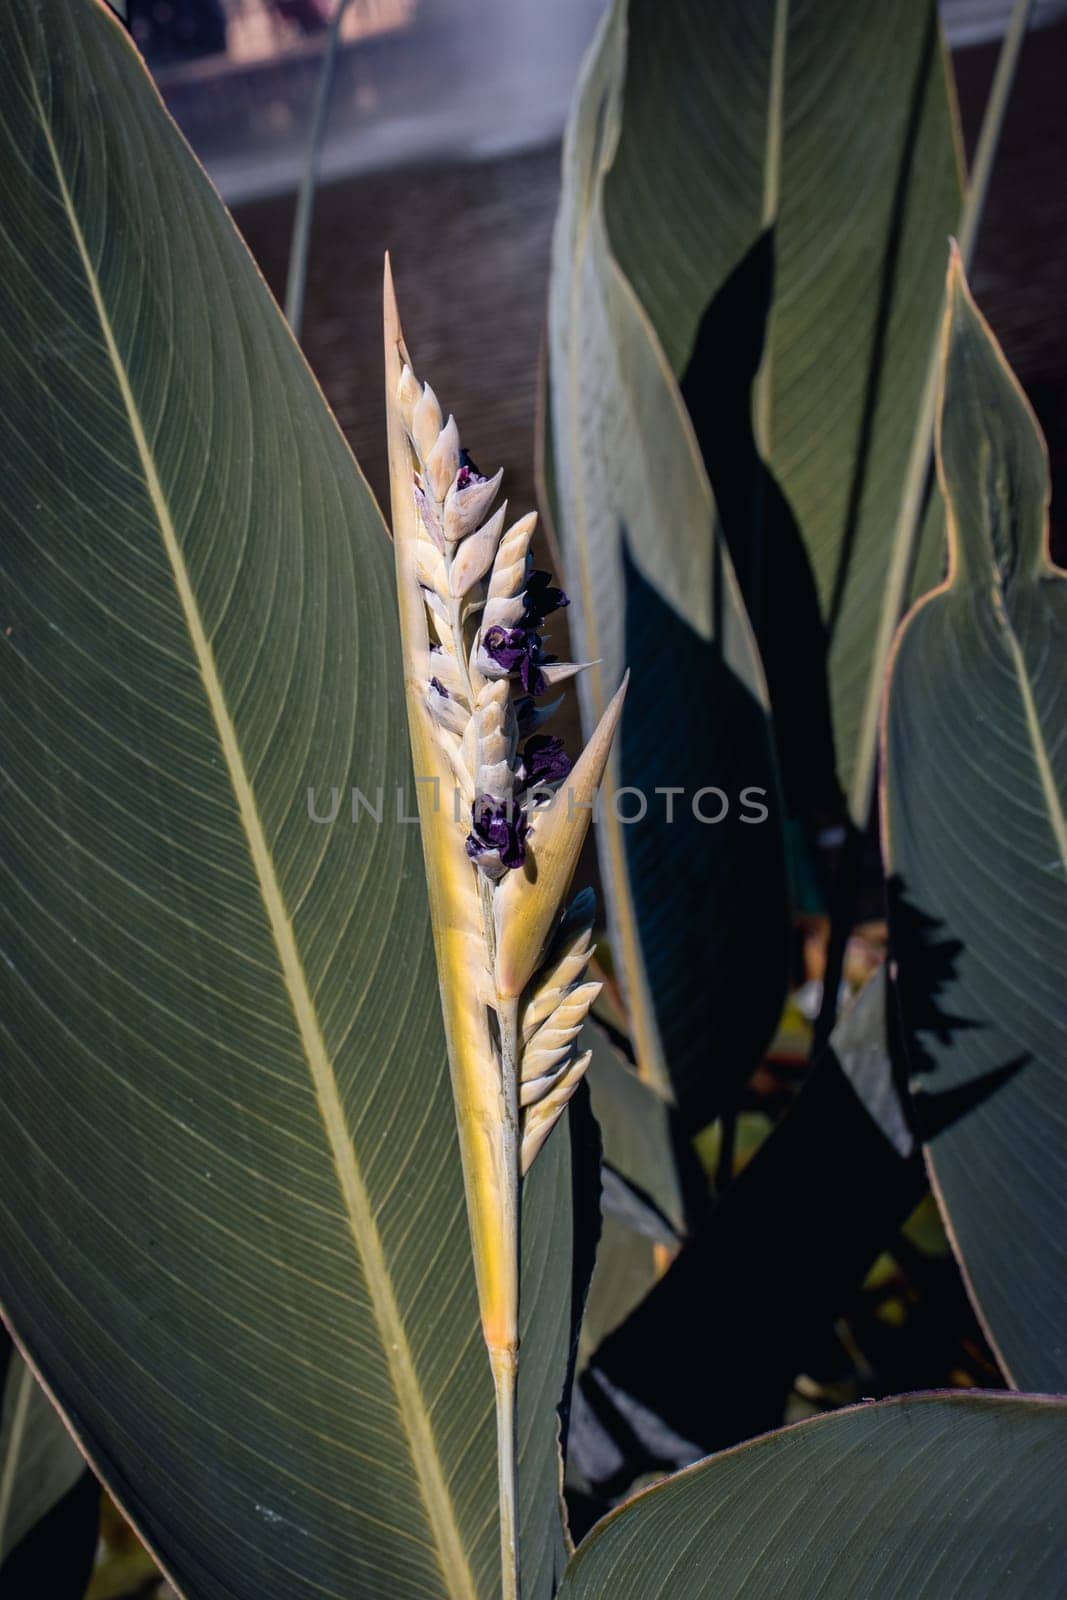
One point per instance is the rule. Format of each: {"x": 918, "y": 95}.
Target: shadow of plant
{"x": 762, "y": 534}
{"x": 927, "y": 960}
{"x": 710, "y": 896}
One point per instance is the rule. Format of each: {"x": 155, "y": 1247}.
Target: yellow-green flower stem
{"x": 503, "y": 1358}
{"x": 482, "y": 1056}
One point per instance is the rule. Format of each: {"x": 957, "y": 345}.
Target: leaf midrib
{"x": 772, "y": 189}
{"x": 1035, "y": 732}
{"x": 455, "y": 1569}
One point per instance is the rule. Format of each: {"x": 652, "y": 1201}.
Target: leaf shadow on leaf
{"x": 774, "y": 1261}
{"x": 761, "y": 531}
{"x": 691, "y": 724}
{"x": 795, "y": 632}
{"x": 779, "y": 1256}
{"x": 927, "y": 63}
{"x": 760, "y": 1280}
{"x": 927, "y": 957}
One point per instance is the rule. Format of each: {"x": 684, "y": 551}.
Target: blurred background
{"x": 442, "y": 144}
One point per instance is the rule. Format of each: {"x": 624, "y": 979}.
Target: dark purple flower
{"x": 435, "y": 683}
{"x": 541, "y": 598}
{"x": 518, "y": 650}
{"x": 507, "y": 646}
{"x": 544, "y": 760}
{"x": 468, "y": 472}
{"x": 496, "y": 825}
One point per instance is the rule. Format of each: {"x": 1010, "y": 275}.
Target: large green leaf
{"x": 48, "y": 1502}
{"x": 231, "y": 1207}
{"x": 976, "y": 849}
{"x": 931, "y": 1497}
{"x": 785, "y": 179}
{"x": 690, "y": 900}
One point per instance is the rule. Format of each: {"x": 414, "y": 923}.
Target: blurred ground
{"x": 469, "y": 245}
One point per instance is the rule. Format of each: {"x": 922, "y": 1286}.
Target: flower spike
{"x": 512, "y": 958}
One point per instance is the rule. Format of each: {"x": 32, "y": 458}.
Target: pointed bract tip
{"x": 394, "y": 333}
{"x": 609, "y": 718}
{"x": 527, "y": 905}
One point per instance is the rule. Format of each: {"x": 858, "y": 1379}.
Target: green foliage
{"x": 801, "y": 158}
{"x": 892, "y": 1502}
{"x": 233, "y": 1211}
{"x": 976, "y": 849}
{"x": 757, "y": 199}
{"x": 653, "y": 583}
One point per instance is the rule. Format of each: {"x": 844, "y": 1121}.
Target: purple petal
{"x": 499, "y": 826}
{"x": 542, "y": 598}
{"x": 544, "y": 760}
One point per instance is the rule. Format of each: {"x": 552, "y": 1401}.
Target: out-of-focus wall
{"x": 417, "y": 80}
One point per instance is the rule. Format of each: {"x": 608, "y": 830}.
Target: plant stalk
{"x": 772, "y": 194}
{"x": 503, "y": 1357}
{"x": 763, "y": 388}
{"x": 505, "y": 1363}
{"x": 505, "y": 1374}
{"x": 296, "y": 280}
